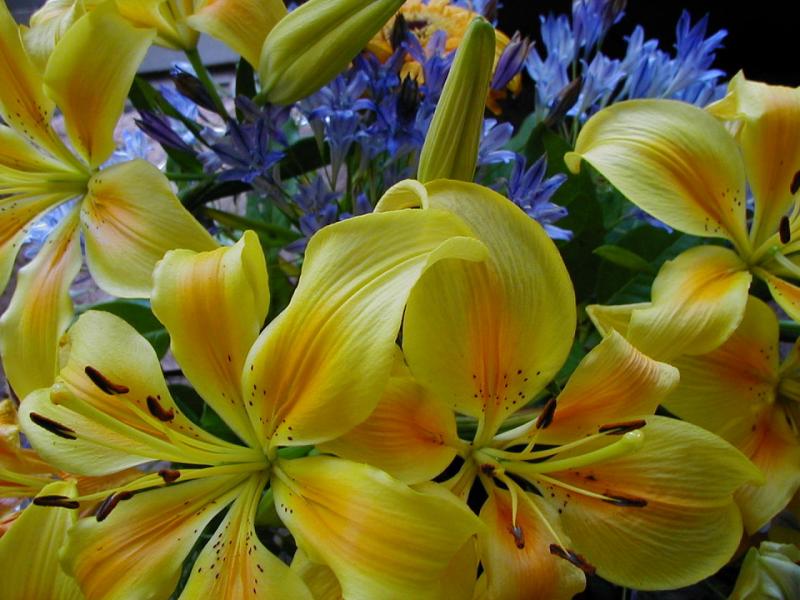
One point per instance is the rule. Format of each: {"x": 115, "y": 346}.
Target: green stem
{"x": 205, "y": 78}
{"x": 178, "y": 176}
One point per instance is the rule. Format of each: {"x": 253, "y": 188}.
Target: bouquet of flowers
{"x": 399, "y": 307}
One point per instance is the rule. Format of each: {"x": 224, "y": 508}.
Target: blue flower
{"x": 494, "y": 138}
{"x": 245, "y": 150}
{"x": 529, "y": 189}
{"x": 511, "y": 61}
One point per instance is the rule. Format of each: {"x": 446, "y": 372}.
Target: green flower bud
{"x": 771, "y": 572}
{"x": 315, "y": 42}
{"x": 451, "y": 146}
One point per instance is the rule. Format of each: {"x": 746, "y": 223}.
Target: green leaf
{"x": 272, "y": 235}
{"x": 137, "y": 313}
{"x": 624, "y": 258}
{"x": 245, "y": 81}
{"x": 188, "y": 401}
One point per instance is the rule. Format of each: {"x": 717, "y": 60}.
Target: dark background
{"x": 763, "y": 39}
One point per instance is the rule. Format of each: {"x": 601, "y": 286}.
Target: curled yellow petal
{"x": 487, "y": 337}
{"x": 673, "y": 160}
{"x": 226, "y": 290}
{"x": 698, "y": 300}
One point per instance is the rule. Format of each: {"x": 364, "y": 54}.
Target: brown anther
{"x": 625, "y": 501}
{"x": 103, "y": 383}
{"x": 487, "y": 469}
{"x": 574, "y": 558}
{"x": 169, "y": 475}
{"x": 785, "y": 230}
{"x": 546, "y": 416}
{"x": 155, "y": 408}
{"x": 53, "y": 427}
{"x": 519, "y": 536}
{"x": 60, "y": 501}
{"x": 110, "y": 504}
{"x": 622, "y": 428}
{"x": 794, "y": 187}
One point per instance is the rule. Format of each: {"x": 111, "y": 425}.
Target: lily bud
{"x": 451, "y": 146}
{"x": 315, "y": 42}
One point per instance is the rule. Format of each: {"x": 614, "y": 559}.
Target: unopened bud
{"x": 451, "y": 146}
{"x": 315, "y": 42}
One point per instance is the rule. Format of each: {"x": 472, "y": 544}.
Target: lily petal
{"x": 410, "y": 434}
{"x": 670, "y": 497}
{"x": 516, "y": 555}
{"x": 698, "y": 301}
{"x": 786, "y": 294}
{"x": 226, "y": 291}
{"x": 89, "y": 75}
{"x": 18, "y": 153}
{"x": 673, "y": 160}
{"x": 724, "y": 391}
{"x": 234, "y": 565}
{"x": 112, "y": 396}
{"x": 137, "y": 551}
{"x": 319, "y": 369}
{"x": 319, "y": 578}
{"x": 167, "y": 17}
{"x": 486, "y": 337}
{"x": 23, "y": 103}
{"x": 612, "y": 384}
{"x": 41, "y": 310}
{"x": 381, "y": 538}
{"x": 131, "y": 218}
{"x": 769, "y": 134}
{"x": 29, "y": 551}
{"x": 242, "y": 25}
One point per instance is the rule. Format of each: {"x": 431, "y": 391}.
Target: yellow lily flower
{"x": 593, "y": 482}
{"x": 127, "y": 213}
{"x": 241, "y": 24}
{"x": 740, "y": 392}
{"x": 682, "y": 165}
{"x": 312, "y": 374}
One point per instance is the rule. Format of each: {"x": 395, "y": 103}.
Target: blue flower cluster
{"x": 573, "y": 77}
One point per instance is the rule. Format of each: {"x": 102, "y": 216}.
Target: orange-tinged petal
{"x": 41, "y": 310}
{"x": 18, "y": 211}
{"x": 774, "y": 448}
{"x": 131, "y": 218}
{"x": 242, "y": 25}
{"x": 319, "y": 369}
{"x": 23, "y": 103}
{"x": 673, "y": 160}
{"x": 234, "y": 564}
{"x": 226, "y": 291}
{"x": 486, "y": 337}
{"x": 410, "y": 435}
{"x": 669, "y": 498}
{"x": 612, "y": 384}
{"x": 769, "y": 134}
{"x": 786, "y": 294}
{"x": 89, "y": 75}
{"x": 698, "y": 301}
{"x": 29, "y": 551}
{"x": 381, "y": 538}
{"x": 613, "y": 318}
{"x": 516, "y": 555}
{"x": 13, "y": 457}
{"x": 138, "y": 550}
{"x": 725, "y": 390}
